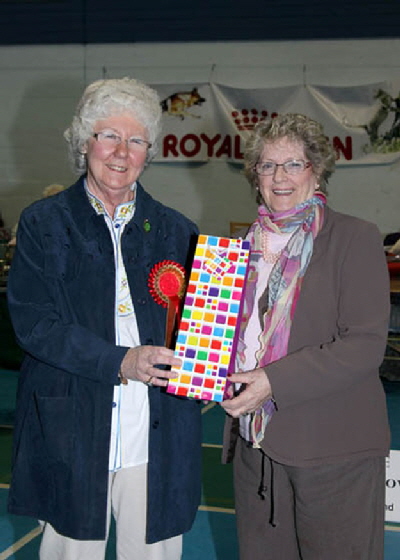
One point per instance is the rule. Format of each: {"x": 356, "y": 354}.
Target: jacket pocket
{"x": 55, "y": 421}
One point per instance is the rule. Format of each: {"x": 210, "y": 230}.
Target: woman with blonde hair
{"x": 308, "y": 425}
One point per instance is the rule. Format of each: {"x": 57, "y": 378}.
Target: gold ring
{"x": 149, "y": 382}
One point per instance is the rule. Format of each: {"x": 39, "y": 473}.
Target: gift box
{"x": 207, "y": 332}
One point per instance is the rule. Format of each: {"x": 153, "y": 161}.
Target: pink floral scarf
{"x": 284, "y": 285}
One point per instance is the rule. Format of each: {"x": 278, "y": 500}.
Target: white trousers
{"x": 127, "y": 503}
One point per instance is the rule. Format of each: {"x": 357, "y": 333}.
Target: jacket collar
{"x": 86, "y": 218}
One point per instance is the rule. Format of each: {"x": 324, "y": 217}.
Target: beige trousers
{"x": 127, "y": 503}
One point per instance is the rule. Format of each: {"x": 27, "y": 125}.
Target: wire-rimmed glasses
{"x": 112, "y": 140}
{"x": 291, "y": 166}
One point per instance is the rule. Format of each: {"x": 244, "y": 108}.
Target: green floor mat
{"x": 217, "y": 480}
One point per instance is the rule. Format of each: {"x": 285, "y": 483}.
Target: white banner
{"x": 392, "y": 507}
{"x": 211, "y": 121}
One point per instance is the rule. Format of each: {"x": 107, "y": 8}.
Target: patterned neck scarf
{"x": 304, "y": 221}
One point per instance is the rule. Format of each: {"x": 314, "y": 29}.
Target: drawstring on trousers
{"x": 262, "y": 489}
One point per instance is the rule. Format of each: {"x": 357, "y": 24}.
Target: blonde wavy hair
{"x": 297, "y": 128}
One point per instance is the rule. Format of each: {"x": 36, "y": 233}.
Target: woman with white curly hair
{"x": 96, "y": 434}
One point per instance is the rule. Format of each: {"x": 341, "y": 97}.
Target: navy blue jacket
{"x": 61, "y": 294}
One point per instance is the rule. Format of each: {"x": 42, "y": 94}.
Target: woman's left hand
{"x": 256, "y": 391}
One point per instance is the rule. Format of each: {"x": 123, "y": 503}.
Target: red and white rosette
{"x": 167, "y": 286}
{"x": 166, "y": 281}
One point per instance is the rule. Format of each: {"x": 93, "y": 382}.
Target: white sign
{"x": 206, "y": 121}
{"x": 393, "y": 487}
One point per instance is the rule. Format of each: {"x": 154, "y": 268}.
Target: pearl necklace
{"x": 269, "y": 257}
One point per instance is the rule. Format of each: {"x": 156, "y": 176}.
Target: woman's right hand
{"x": 138, "y": 364}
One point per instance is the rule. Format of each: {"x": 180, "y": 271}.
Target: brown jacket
{"x": 331, "y": 404}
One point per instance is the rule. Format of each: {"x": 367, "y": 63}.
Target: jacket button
{"x": 155, "y": 424}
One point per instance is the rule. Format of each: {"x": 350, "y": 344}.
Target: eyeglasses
{"x": 112, "y": 140}
{"x": 291, "y": 166}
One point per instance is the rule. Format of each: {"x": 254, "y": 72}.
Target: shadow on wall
{"x": 38, "y": 148}
{"x": 211, "y": 193}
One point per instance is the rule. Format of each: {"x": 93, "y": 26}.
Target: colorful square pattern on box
{"x": 210, "y": 314}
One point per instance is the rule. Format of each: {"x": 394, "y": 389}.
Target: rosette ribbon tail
{"x": 173, "y": 319}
